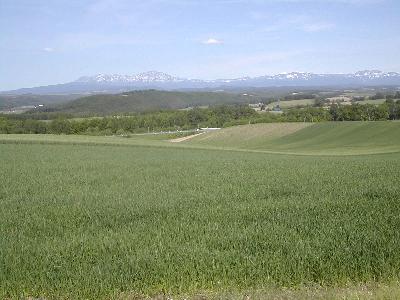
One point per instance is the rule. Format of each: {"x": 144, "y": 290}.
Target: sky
{"x": 46, "y": 42}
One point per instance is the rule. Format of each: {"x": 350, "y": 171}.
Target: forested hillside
{"x": 149, "y": 100}
{"x": 13, "y": 101}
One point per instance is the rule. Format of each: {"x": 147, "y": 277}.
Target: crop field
{"x": 124, "y": 218}
{"x": 326, "y": 138}
{"x": 291, "y": 103}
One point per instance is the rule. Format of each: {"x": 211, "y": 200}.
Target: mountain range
{"x": 115, "y": 83}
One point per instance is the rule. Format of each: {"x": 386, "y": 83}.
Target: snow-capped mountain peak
{"x": 375, "y": 74}
{"x": 164, "y": 78}
{"x": 150, "y": 76}
{"x": 370, "y": 74}
{"x": 293, "y": 76}
{"x": 158, "y": 80}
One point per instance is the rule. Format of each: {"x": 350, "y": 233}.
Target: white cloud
{"x": 213, "y": 41}
{"x": 48, "y": 49}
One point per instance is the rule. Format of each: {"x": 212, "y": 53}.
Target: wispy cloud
{"x": 260, "y": 58}
{"x": 91, "y": 40}
{"x": 358, "y": 2}
{"x": 125, "y": 12}
{"x": 251, "y": 64}
{"x": 48, "y": 49}
{"x": 212, "y": 41}
{"x": 289, "y": 22}
{"x": 317, "y": 27}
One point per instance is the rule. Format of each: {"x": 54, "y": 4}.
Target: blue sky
{"x": 45, "y": 42}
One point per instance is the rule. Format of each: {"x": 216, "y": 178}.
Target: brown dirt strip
{"x": 185, "y": 138}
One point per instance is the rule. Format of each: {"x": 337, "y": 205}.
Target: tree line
{"x": 217, "y": 116}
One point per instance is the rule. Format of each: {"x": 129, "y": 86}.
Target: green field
{"x": 219, "y": 215}
{"x": 292, "y": 103}
{"x": 327, "y": 138}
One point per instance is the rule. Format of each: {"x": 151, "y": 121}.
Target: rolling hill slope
{"x": 331, "y": 138}
{"x": 328, "y": 138}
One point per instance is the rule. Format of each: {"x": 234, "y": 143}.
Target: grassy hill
{"x": 149, "y": 100}
{"x": 308, "y": 138}
{"x": 328, "y": 138}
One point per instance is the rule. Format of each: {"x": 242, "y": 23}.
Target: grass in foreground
{"x": 365, "y": 291}
{"x": 94, "y": 221}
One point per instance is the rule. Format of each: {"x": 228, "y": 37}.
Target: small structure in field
{"x": 209, "y": 128}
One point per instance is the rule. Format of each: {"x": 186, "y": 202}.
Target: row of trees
{"x": 390, "y": 110}
{"x": 219, "y": 116}
{"x": 359, "y": 112}
{"x": 380, "y": 95}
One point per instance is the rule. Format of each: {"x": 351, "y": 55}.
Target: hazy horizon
{"x": 45, "y": 43}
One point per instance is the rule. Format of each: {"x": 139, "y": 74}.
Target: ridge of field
{"x": 325, "y": 138}
{"x": 94, "y": 222}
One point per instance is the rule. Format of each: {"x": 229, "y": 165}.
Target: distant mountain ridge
{"x": 114, "y": 83}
